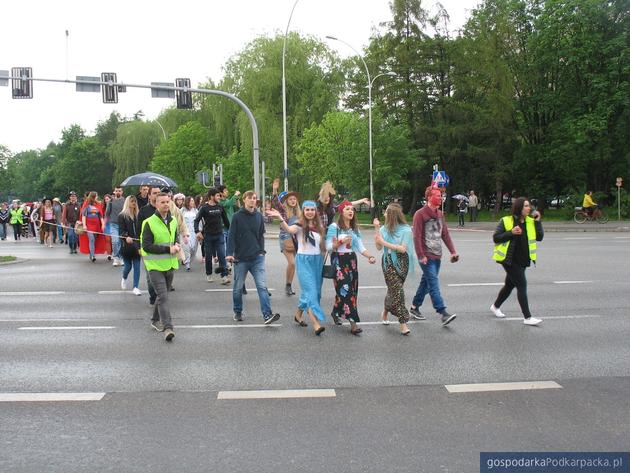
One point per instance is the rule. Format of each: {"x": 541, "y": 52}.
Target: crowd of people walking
{"x": 319, "y": 239}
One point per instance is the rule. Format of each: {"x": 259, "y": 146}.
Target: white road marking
{"x": 372, "y": 287}
{"x": 276, "y": 394}
{"x": 50, "y": 397}
{"x": 229, "y": 326}
{"x": 579, "y": 238}
{"x": 572, "y": 282}
{"x": 42, "y": 320}
{"x": 487, "y": 387}
{"x": 115, "y": 292}
{"x": 92, "y": 327}
{"x": 32, "y": 293}
{"x": 229, "y": 289}
{"x": 476, "y": 284}
{"x": 622, "y": 238}
{"x": 588, "y": 316}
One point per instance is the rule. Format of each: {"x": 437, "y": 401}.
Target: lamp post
{"x": 370, "y": 81}
{"x": 284, "y": 103}
{"x": 139, "y": 114}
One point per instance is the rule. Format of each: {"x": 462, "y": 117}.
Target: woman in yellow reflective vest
{"x": 515, "y": 248}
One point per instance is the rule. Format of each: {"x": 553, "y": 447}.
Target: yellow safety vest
{"x": 162, "y": 235}
{"x": 16, "y": 216}
{"x": 501, "y": 249}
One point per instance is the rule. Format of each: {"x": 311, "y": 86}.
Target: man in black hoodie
{"x": 215, "y": 220}
{"x": 246, "y": 249}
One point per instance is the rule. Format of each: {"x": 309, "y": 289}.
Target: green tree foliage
{"x": 191, "y": 149}
{"x": 254, "y": 75}
{"x": 133, "y": 148}
{"x": 337, "y": 150}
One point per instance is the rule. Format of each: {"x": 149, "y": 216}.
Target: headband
{"x": 343, "y": 205}
{"x": 308, "y": 203}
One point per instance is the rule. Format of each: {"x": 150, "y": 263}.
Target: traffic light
{"x": 217, "y": 180}
{"x": 22, "y": 88}
{"x": 184, "y": 99}
{"x": 110, "y": 92}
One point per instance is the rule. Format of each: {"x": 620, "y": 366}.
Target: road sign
{"x": 96, "y": 87}
{"x": 22, "y": 88}
{"x": 4, "y": 78}
{"x": 440, "y": 179}
{"x": 158, "y": 93}
{"x": 619, "y": 182}
{"x": 110, "y": 91}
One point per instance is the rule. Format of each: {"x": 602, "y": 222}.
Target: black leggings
{"x": 514, "y": 278}
{"x": 17, "y": 229}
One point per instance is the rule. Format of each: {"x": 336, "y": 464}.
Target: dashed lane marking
{"x": 572, "y": 282}
{"x": 490, "y": 387}
{"x": 276, "y": 394}
{"x": 50, "y": 397}
{"x": 229, "y": 326}
{"x": 476, "y": 284}
{"x": 32, "y": 293}
{"x": 92, "y": 327}
{"x": 586, "y": 316}
{"x": 229, "y": 289}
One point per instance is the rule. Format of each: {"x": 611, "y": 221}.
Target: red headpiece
{"x": 343, "y": 205}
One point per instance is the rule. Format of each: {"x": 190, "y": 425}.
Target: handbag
{"x": 289, "y": 245}
{"x": 328, "y": 270}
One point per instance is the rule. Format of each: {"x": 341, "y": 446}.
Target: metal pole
{"x": 619, "y": 203}
{"x": 369, "y": 81}
{"x": 161, "y": 128}
{"x": 250, "y": 115}
{"x": 264, "y": 197}
{"x": 284, "y": 103}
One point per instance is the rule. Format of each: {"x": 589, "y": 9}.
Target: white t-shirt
{"x": 306, "y": 247}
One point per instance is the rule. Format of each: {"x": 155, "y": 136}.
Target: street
{"x": 66, "y": 327}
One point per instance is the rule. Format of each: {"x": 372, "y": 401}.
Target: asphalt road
{"x": 66, "y": 328}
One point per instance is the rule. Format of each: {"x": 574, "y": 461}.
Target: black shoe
{"x": 271, "y": 318}
{"x": 172, "y": 289}
{"x": 238, "y": 317}
{"x": 169, "y": 334}
{"x": 288, "y": 290}
{"x": 93, "y": 259}
{"x": 319, "y": 331}
{"x": 335, "y": 319}
{"x": 447, "y": 318}
{"x": 244, "y": 291}
{"x": 356, "y": 331}
{"x": 301, "y": 323}
{"x": 415, "y": 312}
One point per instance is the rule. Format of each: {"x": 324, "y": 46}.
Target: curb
{"x": 16, "y": 261}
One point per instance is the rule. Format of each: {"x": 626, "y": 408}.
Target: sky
{"x": 146, "y": 41}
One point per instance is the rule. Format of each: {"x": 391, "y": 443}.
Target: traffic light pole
{"x": 250, "y": 115}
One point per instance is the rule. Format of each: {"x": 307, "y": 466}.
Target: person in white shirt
{"x": 309, "y": 262}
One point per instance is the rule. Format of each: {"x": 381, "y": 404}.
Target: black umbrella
{"x": 148, "y": 179}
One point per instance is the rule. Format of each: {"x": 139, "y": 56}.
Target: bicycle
{"x": 580, "y": 216}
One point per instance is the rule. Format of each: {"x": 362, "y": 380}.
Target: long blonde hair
{"x": 127, "y": 211}
{"x": 394, "y": 216}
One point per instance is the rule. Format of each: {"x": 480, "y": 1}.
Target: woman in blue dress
{"x": 309, "y": 262}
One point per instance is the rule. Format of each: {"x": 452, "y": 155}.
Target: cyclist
{"x": 589, "y": 205}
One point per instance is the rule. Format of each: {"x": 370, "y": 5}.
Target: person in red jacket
{"x": 429, "y": 231}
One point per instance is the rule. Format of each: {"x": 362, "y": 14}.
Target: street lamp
{"x": 284, "y": 103}
{"x": 370, "y": 83}
{"x": 139, "y": 114}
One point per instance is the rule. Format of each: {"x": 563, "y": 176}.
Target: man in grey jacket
{"x": 114, "y": 207}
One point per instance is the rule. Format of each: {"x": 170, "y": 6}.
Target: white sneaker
{"x": 118, "y": 262}
{"x": 496, "y": 312}
{"x": 225, "y": 280}
{"x": 532, "y": 321}
{"x": 137, "y": 291}
{"x": 123, "y": 284}
{"x": 209, "y": 278}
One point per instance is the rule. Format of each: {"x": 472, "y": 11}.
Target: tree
{"x": 133, "y": 148}
{"x": 189, "y": 150}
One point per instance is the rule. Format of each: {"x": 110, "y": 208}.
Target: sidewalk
{"x": 550, "y": 227}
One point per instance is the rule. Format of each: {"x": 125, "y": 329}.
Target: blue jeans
{"x": 136, "y": 269}
{"x": 113, "y": 232}
{"x": 91, "y": 243}
{"x": 257, "y": 268}
{"x": 71, "y": 237}
{"x": 212, "y": 244}
{"x": 430, "y": 284}
{"x": 3, "y": 231}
